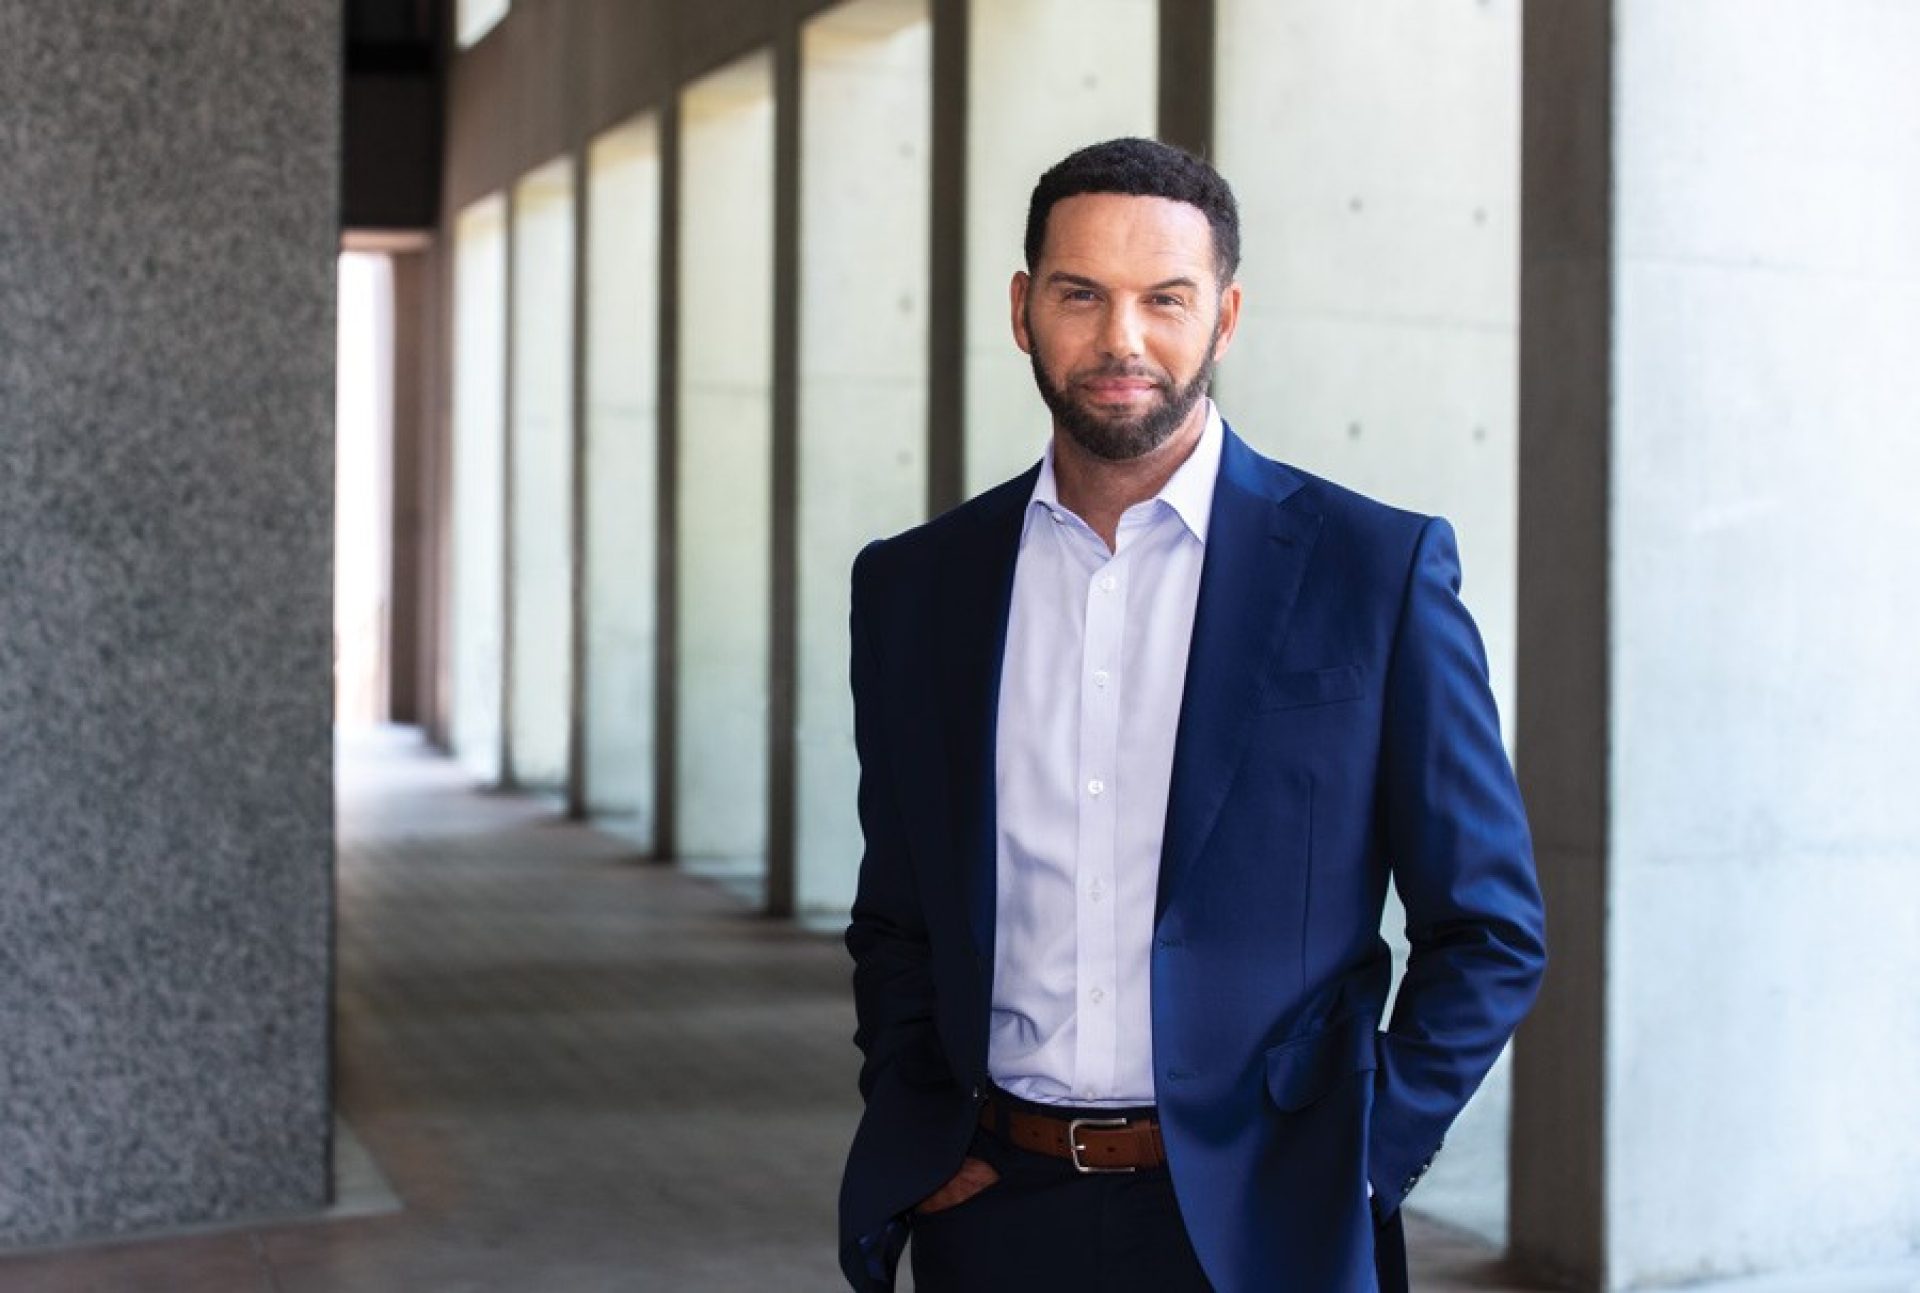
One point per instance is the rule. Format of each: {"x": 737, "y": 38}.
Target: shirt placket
{"x": 1096, "y": 1043}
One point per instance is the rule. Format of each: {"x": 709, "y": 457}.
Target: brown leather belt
{"x": 1090, "y": 1143}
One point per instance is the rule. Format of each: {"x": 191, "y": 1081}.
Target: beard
{"x": 1122, "y": 438}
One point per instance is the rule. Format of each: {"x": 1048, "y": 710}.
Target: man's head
{"x": 1128, "y": 297}
{"x": 1144, "y": 168}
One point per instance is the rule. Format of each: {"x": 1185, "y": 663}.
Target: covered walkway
{"x": 561, "y": 1070}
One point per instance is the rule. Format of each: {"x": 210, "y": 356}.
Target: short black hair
{"x": 1140, "y": 168}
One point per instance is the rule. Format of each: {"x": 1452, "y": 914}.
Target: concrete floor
{"x": 578, "y": 1073}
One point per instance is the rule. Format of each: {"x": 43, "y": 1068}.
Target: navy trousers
{"x": 1045, "y": 1228}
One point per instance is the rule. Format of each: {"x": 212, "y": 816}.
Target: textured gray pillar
{"x": 168, "y": 190}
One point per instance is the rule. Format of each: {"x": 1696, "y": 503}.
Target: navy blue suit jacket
{"x": 1336, "y": 730}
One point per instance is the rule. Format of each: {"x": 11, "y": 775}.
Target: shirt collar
{"x": 1189, "y": 491}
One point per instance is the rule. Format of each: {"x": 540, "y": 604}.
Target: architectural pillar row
{"x": 1680, "y": 534}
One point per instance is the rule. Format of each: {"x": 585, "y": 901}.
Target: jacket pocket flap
{"x": 1301, "y": 1071}
{"x": 1311, "y": 687}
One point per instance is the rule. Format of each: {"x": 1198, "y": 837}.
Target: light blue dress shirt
{"x": 1091, "y": 684}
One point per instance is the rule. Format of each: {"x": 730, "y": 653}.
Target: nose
{"x": 1120, "y": 337}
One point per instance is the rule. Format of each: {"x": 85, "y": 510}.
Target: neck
{"x": 1098, "y": 490}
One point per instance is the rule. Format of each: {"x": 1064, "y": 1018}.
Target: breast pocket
{"x": 1311, "y": 687}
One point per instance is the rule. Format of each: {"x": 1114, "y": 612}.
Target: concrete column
{"x": 1042, "y": 80}
{"x": 408, "y": 637}
{"x": 623, "y": 305}
{"x": 783, "y": 480}
{"x": 723, "y": 464}
{"x": 478, "y": 472}
{"x": 1717, "y": 696}
{"x": 541, "y": 567}
{"x": 167, "y": 262}
{"x": 1378, "y": 181}
{"x": 863, "y": 362}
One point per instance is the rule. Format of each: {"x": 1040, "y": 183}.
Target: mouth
{"x": 1119, "y": 390}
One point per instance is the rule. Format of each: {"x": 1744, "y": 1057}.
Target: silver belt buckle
{"x": 1074, "y": 1146}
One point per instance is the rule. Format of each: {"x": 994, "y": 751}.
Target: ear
{"x": 1017, "y": 295}
{"x": 1229, "y": 320}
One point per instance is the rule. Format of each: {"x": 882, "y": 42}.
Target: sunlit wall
{"x": 864, "y": 212}
{"x": 479, "y": 476}
{"x": 724, "y": 449}
{"x": 622, "y": 345}
{"x": 540, "y": 668}
{"x": 1042, "y": 80}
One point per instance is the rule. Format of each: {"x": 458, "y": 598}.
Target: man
{"x": 1143, "y": 735}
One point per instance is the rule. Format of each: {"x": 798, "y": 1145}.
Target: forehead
{"x": 1115, "y": 236}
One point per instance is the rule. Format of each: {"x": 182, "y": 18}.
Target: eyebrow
{"x": 1078, "y": 280}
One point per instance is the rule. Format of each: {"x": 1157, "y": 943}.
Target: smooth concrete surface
{"x": 1042, "y": 81}
{"x": 578, "y": 1074}
{"x": 1757, "y": 901}
{"x": 1766, "y": 837}
{"x": 724, "y": 442}
{"x": 167, "y": 262}
{"x": 622, "y": 481}
{"x": 1375, "y": 153}
{"x": 479, "y": 434}
{"x": 541, "y": 452}
{"x": 863, "y": 363}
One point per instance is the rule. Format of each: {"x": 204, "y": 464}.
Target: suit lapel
{"x": 1257, "y": 553}
{"x": 978, "y": 575}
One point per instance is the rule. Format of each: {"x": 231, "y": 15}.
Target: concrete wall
{"x": 724, "y": 451}
{"x": 1715, "y": 467}
{"x": 476, "y": 643}
{"x": 541, "y": 455}
{"x": 1042, "y": 80}
{"x": 865, "y": 112}
{"x": 1375, "y": 151}
{"x": 166, "y": 402}
{"x": 622, "y": 483}
{"x": 1766, "y": 838}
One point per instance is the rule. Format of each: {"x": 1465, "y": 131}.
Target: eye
{"x": 1167, "y": 301}
{"x": 1077, "y": 294}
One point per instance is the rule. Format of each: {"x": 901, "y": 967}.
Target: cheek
{"x": 1182, "y": 352}
{"x": 1061, "y": 350}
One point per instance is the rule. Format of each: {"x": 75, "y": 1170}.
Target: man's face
{"x": 1123, "y": 318}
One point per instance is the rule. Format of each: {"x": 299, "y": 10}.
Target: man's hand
{"x": 974, "y": 1176}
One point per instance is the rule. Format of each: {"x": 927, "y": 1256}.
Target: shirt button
{"x": 1096, "y": 786}
{"x": 1108, "y": 583}
{"x": 1098, "y": 996}
{"x": 1100, "y": 677}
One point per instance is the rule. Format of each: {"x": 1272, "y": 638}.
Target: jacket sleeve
{"x": 1463, "y": 864}
{"x": 892, "y": 983}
